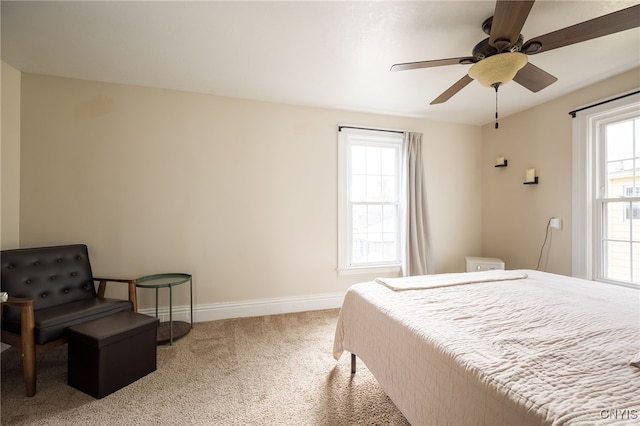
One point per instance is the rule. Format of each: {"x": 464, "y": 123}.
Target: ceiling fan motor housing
{"x": 484, "y": 49}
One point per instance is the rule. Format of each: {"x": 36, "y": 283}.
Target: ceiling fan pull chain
{"x": 496, "y": 85}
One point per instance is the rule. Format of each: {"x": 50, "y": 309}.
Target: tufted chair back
{"x": 50, "y": 275}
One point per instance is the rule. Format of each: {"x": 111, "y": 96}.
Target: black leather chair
{"x": 51, "y": 289}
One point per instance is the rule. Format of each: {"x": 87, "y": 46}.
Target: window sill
{"x": 369, "y": 270}
{"x": 618, "y": 283}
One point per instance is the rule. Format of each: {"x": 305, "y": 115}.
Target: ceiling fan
{"x": 502, "y": 56}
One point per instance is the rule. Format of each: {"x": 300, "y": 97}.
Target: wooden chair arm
{"x": 25, "y": 305}
{"x": 18, "y": 301}
{"x": 27, "y": 321}
{"x": 133, "y": 298}
{"x": 115, "y": 280}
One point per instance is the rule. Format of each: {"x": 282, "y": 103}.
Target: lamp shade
{"x": 500, "y": 68}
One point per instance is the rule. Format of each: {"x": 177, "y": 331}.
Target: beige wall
{"x": 242, "y": 194}
{"x": 10, "y": 158}
{"x": 514, "y": 216}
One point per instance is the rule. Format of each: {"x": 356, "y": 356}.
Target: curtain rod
{"x": 573, "y": 113}
{"x": 368, "y": 128}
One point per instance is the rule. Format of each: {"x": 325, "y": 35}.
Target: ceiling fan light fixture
{"x": 498, "y": 69}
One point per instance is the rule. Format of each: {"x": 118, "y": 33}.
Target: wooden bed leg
{"x": 353, "y": 363}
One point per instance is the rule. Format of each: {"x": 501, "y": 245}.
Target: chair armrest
{"x": 131, "y": 282}
{"x": 18, "y": 301}
{"x": 115, "y": 280}
{"x": 27, "y": 322}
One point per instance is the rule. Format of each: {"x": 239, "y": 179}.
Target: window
{"x": 370, "y": 202}
{"x": 607, "y": 193}
{"x": 617, "y": 199}
{"x": 632, "y": 212}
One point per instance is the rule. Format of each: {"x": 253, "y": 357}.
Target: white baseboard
{"x": 246, "y": 308}
{"x": 250, "y": 308}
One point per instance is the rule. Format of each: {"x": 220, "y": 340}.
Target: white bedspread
{"x": 547, "y": 349}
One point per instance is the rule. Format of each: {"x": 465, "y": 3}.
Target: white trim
{"x": 368, "y": 137}
{"x": 582, "y": 187}
{"x": 586, "y": 128}
{"x": 250, "y": 308}
{"x": 360, "y": 270}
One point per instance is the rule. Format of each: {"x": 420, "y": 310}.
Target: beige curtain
{"x": 417, "y": 258}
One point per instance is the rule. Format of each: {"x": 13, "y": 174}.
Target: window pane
{"x": 621, "y": 164}
{"x": 636, "y": 263}
{"x": 390, "y": 218}
{"x": 637, "y": 137}
{"x": 388, "y": 189}
{"x": 376, "y": 245}
{"x": 374, "y": 188}
{"x": 390, "y": 251}
{"x": 374, "y": 161}
{"x": 635, "y": 222}
{"x": 389, "y": 161}
{"x": 359, "y": 218}
{"x": 358, "y": 188}
{"x": 619, "y": 139}
{"x": 359, "y": 249}
{"x": 632, "y": 212}
{"x": 619, "y": 226}
{"x": 617, "y": 261}
{"x": 375, "y": 218}
{"x": 374, "y": 233}
{"x": 619, "y": 172}
{"x": 374, "y": 174}
{"x": 358, "y": 160}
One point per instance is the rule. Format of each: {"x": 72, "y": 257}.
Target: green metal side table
{"x": 168, "y": 331}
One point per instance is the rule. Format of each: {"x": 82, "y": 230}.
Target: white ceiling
{"x": 326, "y": 54}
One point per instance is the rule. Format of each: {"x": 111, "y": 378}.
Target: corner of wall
{"x": 10, "y": 156}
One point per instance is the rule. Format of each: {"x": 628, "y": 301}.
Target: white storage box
{"x": 483, "y": 263}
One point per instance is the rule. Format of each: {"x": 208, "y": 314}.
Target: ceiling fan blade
{"x": 457, "y": 86}
{"x": 508, "y": 20}
{"x": 621, "y": 20}
{"x": 430, "y": 64}
{"x": 534, "y": 78}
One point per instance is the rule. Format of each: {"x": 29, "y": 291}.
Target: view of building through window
{"x": 620, "y": 201}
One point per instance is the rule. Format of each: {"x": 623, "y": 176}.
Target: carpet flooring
{"x": 270, "y": 370}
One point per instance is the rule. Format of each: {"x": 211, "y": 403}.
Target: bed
{"x": 498, "y": 347}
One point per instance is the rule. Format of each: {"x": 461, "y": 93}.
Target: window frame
{"x": 588, "y": 171}
{"x": 347, "y": 137}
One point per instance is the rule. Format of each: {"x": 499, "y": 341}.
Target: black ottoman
{"x": 111, "y": 352}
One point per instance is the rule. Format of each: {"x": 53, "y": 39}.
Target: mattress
{"x": 534, "y": 349}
